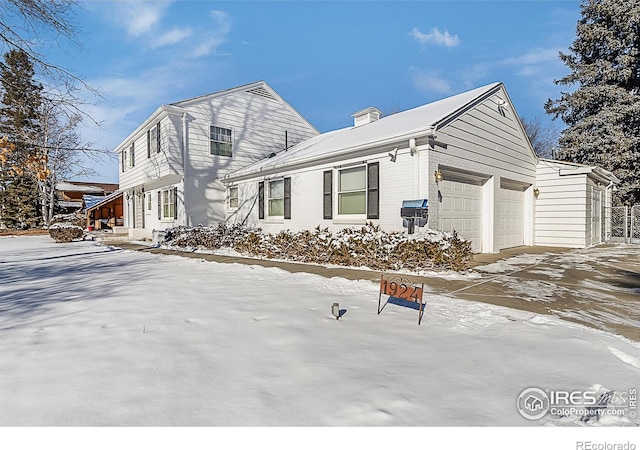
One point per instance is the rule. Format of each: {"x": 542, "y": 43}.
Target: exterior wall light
{"x": 438, "y": 176}
{"x": 536, "y": 192}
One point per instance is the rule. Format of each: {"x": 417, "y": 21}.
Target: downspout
{"x": 185, "y": 152}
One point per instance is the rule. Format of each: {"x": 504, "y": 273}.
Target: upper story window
{"x": 132, "y": 155}
{"x": 153, "y": 140}
{"x": 124, "y": 160}
{"x": 220, "y": 141}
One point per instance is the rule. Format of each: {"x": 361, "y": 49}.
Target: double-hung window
{"x": 168, "y": 203}
{"x": 352, "y": 190}
{"x": 356, "y": 191}
{"x": 153, "y": 140}
{"x": 277, "y": 196}
{"x": 220, "y": 141}
{"x": 233, "y": 197}
{"x": 132, "y": 155}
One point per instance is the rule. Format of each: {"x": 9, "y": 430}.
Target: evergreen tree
{"x": 602, "y": 113}
{"x": 19, "y": 124}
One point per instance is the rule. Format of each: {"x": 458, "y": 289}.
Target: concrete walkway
{"x": 598, "y": 287}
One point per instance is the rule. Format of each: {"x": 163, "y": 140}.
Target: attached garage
{"x": 461, "y": 206}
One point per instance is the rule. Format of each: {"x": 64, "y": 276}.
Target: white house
{"x": 171, "y": 165}
{"x": 468, "y": 155}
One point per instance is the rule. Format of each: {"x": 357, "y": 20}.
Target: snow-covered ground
{"x": 91, "y": 335}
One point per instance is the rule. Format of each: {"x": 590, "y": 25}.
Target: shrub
{"x": 65, "y": 232}
{"x": 367, "y": 246}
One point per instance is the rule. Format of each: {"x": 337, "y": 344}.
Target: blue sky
{"x": 328, "y": 59}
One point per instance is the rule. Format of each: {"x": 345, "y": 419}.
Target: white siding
{"x": 396, "y": 184}
{"x": 258, "y": 127}
{"x": 258, "y": 122}
{"x": 492, "y": 145}
{"x": 561, "y": 208}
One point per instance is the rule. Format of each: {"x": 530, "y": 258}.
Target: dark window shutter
{"x": 287, "y": 198}
{"x": 327, "y": 194}
{"x": 148, "y": 143}
{"x": 175, "y": 202}
{"x": 159, "y": 205}
{"x": 158, "y": 137}
{"x": 373, "y": 195}
{"x": 261, "y": 200}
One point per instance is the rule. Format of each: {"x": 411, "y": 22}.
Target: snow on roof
{"x": 403, "y": 124}
{"x": 92, "y": 200}
{"x": 104, "y": 200}
{"x": 66, "y": 186}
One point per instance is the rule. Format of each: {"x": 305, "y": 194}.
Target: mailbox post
{"x": 415, "y": 212}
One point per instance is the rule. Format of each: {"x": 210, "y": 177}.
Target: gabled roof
{"x": 259, "y": 88}
{"x": 407, "y": 124}
{"x": 104, "y": 200}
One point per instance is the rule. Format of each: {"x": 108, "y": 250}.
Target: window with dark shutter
{"x": 261, "y": 200}
{"x": 327, "y": 195}
{"x": 175, "y": 202}
{"x": 287, "y": 198}
{"x": 158, "y": 137}
{"x": 373, "y": 197}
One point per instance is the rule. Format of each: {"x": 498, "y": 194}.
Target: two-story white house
{"x": 172, "y": 164}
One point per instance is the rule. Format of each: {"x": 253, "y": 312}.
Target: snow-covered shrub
{"x": 65, "y": 232}
{"x": 77, "y": 219}
{"x": 206, "y": 237}
{"x": 367, "y": 246}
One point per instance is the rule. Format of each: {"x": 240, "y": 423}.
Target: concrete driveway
{"x": 598, "y": 286}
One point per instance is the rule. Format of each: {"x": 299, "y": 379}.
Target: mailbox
{"x": 414, "y": 212}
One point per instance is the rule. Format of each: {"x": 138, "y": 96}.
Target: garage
{"x": 510, "y": 214}
{"x": 461, "y": 206}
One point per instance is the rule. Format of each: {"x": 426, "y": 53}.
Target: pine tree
{"x": 19, "y": 124}
{"x": 602, "y": 113}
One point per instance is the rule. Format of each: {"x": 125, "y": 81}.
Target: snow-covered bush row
{"x": 65, "y": 232}
{"x": 367, "y": 246}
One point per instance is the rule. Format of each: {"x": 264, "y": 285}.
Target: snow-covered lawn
{"x": 92, "y": 335}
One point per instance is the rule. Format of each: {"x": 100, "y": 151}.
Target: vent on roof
{"x": 262, "y": 92}
{"x": 366, "y": 116}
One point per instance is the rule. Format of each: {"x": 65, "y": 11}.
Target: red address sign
{"x": 403, "y": 290}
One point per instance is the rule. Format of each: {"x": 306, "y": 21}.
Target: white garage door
{"x": 510, "y": 225}
{"x": 461, "y": 210}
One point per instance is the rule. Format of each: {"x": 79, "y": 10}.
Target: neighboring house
{"x": 69, "y": 194}
{"x": 105, "y": 212}
{"x": 171, "y": 165}
{"x": 468, "y": 155}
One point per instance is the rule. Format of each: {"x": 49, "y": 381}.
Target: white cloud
{"x": 140, "y": 17}
{"x": 171, "y": 37}
{"x": 217, "y": 36}
{"x": 429, "y": 81}
{"x": 435, "y": 36}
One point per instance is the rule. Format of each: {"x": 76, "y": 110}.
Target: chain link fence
{"x": 622, "y": 224}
